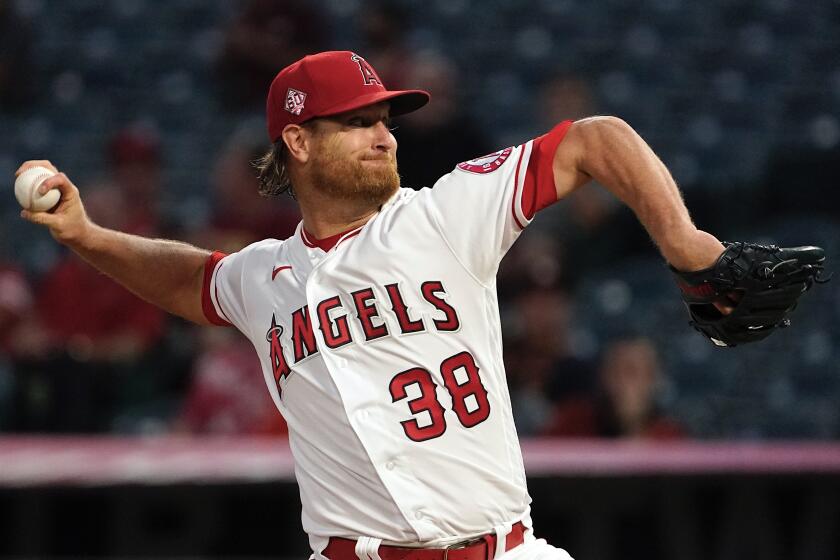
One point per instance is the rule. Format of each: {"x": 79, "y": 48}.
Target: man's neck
{"x": 324, "y": 217}
{"x": 327, "y": 227}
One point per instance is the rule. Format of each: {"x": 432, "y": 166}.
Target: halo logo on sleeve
{"x": 486, "y": 164}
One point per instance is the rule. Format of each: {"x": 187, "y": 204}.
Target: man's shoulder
{"x": 405, "y": 198}
{"x": 268, "y": 244}
{"x": 265, "y": 248}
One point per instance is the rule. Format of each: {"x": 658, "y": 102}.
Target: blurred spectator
{"x": 434, "y": 141}
{"x": 597, "y": 231}
{"x": 17, "y": 75}
{"x": 385, "y": 26}
{"x": 15, "y": 303}
{"x": 565, "y": 97}
{"x": 240, "y": 215}
{"x": 136, "y": 168}
{"x": 265, "y": 37}
{"x": 228, "y": 395}
{"x": 539, "y": 358}
{"x": 536, "y": 260}
{"x": 85, "y": 339}
{"x": 77, "y": 306}
{"x": 624, "y": 403}
{"x": 134, "y": 179}
{"x": 596, "y": 228}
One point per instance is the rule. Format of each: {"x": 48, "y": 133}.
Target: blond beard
{"x": 349, "y": 179}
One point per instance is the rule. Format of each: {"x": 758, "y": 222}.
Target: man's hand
{"x": 700, "y": 251}
{"x": 68, "y": 223}
{"x": 766, "y": 282}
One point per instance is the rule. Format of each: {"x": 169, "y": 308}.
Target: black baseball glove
{"x": 762, "y": 283}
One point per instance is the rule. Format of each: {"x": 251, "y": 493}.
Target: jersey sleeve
{"x": 210, "y": 296}
{"x": 484, "y": 204}
{"x": 226, "y": 277}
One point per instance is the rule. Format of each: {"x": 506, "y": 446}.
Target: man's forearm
{"x": 165, "y": 273}
{"x": 615, "y": 156}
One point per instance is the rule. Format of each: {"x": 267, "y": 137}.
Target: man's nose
{"x": 385, "y": 141}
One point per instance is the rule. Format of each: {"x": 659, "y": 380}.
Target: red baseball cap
{"x": 329, "y": 83}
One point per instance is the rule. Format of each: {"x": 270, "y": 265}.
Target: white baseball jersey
{"x": 382, "y": 349}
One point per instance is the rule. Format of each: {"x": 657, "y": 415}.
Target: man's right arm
{"x": 168, "y": 274}
{"x": 608, "y": 150}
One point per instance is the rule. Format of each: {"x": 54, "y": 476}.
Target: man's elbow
{"x": 603, "y": 126}
{"x": 603, "y": 138}
{"x": 188, "y": 301}
{"x": 588, "y": 149}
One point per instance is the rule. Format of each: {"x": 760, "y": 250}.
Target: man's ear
{"x": 297, "y": 140}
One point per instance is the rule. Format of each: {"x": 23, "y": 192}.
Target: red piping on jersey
{"x": 354, "y": 234}
{"x": 327, "y": 243}
{"x": 516, "y": 188}
{"x": 278, "y": 270}
{"x": 206, "y": 301}
{"x": 306, "y": 241}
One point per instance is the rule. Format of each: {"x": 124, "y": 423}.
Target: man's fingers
{"x": 59, "y": 181}
{"x": 36, "y": 163}
{"x": 40, "y": 218}
{"x": 729, "y": 302}
{"x": 723, "y": 308}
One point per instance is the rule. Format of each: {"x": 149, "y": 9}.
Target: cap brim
{"x": 402, "y": 102}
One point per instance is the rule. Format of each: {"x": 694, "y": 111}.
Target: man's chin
{"x": 378, "y": 162}
{"x": 376, "y": 194}
{"x": 368, "y": 181}
{"x": 372, "y": 193}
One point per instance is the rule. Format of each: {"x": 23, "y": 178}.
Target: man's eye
{"x": 366, "y": 122}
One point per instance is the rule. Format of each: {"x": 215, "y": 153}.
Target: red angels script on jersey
{"x": 368, "y": 73}
{"x": 334, "y": 321}
{"x": 430, "y": 291}
{"x": 366, "y": 309}
{"x": 486, "y": 164}
{"x": 401, "y": 311}
{"x": 303, "y": 337}
{"x": 336, "y": 331}
{"x": 279, "y": 365}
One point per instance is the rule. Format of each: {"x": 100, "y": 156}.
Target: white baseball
{"x": 26, "y": 190}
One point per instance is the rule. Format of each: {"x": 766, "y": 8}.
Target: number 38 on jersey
{"x": 461, "y": 380}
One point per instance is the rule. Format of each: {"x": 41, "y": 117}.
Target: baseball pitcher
{"x": 377, "y": 322}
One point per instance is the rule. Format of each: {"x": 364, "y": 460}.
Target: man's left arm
{"x": 609, "y": 151}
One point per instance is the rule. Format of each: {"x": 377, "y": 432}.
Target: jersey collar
{"x": 327, "y": 243}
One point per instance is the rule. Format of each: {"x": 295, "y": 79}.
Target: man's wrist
{"x": 693, "y": 250}
{"x": 86, "y": 238}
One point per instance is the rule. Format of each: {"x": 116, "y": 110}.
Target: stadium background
{"x": 154, "y": 110}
